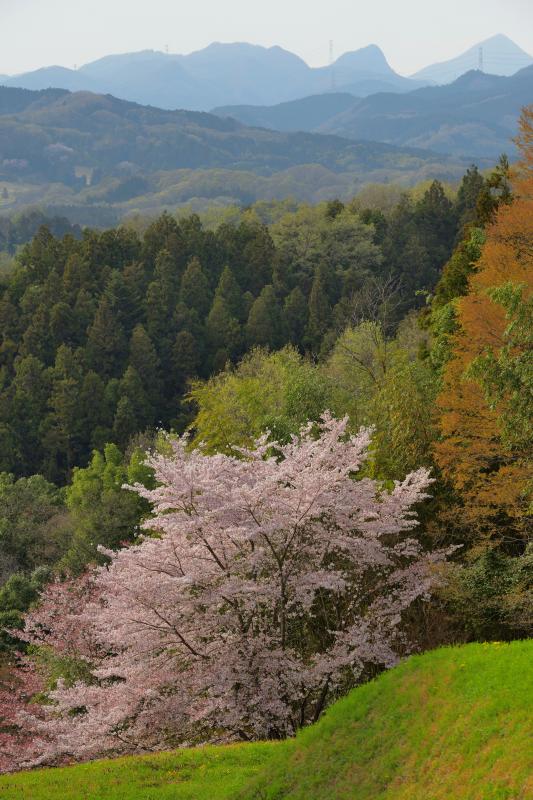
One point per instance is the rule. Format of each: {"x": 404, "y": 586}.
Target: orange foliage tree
{"x": 472, "y": 453}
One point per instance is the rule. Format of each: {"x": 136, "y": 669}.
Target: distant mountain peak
{"x": 370, "y": 58}
{"x": 497, "y": 55}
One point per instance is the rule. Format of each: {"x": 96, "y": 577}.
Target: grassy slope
{"x": 208, "y": 773}
{"x": 455, "y": 723}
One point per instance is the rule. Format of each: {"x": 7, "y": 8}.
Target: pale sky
{"x": 412, "y": 33}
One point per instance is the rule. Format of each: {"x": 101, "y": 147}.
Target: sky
{"x": 412, "y": 33}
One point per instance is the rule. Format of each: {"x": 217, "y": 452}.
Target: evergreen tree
{"x": 319, "y": 313}
{"x": 295, "y": 316}
{"x": 63, "y": 424}
{"x": 37, "y": 340}
{"x": 132, "y": 387}
{"x": 467, "y": 196}
{"x": 230, "y": 292}
{"x": 223, "y": 330}
{"x": 125, "y": 423}
{"x": 168, "y": 276}
{"x": 195, "y": 292}
{"x": 264, "y": 326}
{"x": 106, "y": 341}
{"x": 143, "y": 358}
{"x": 185, "y": 358}
{"x": 95, "y": 416}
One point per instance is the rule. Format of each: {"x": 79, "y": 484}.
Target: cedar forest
{"x": 246, "y": 466}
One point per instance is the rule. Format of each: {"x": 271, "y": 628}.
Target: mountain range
{"x": 244, "y": 74}
{"x": 474, "y": 116}
{"x": 220, "y": 74}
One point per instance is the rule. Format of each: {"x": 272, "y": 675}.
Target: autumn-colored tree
{"x": 474, "y": 452}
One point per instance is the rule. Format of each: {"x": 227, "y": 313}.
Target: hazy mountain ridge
{"x": 476, "y": 115}
{"x": 245, "y": 74}
{"x": 221, "y": 74}
{"x": 306, "y": 114}
{"x": 498, "y": 55}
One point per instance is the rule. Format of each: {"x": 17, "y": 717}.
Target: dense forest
{"x": 412, "y": 320}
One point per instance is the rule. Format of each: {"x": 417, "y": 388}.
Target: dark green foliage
{"x": 31, "y": 511}
{"x": 100, "y": 335}
{"x": 264, "y": 326}
{"x": 319, "y": 313}
{"x": 195, "y": 289}
{"x": 495, "y": 192}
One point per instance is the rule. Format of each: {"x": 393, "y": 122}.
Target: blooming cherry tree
{"x": 270, "y": 580}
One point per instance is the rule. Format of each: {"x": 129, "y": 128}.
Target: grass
{"x": 203, "y": 773}
{"x": 454, "y": 724}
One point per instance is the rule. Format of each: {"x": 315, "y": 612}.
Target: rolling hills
{"x": 454, "y": 724}
{"x": 474, "y": 116}
{"x": 60, "y": 148}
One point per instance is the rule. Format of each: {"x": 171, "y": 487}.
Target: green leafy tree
{"x": 31, "y": 524}
{"x": 102, "y": 512}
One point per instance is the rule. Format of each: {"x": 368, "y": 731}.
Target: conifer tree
{"x": 230, "y": 292}
{"x": 106, "y": 341}
{"x": 143, "y": 358}
{"x": 195, "y": 292}
{"x": 264, "y": 326}
{"x": 319, "y": 313}
{"x": 185, "y": 358}
{"x": 295, "y": 314}
{"x": 223, "y": 329}
{"x": 125, "y": 423}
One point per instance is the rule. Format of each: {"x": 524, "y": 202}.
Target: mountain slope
{"x": 306, "y": 114}
{"x": 60, "y": 132}
{"x": 500, "y": 56}
{"x": 476, "y": 115}
{"x": 455, "y": 724}
{"x": 53, "y": 77}
{"x": 221, "y": 74}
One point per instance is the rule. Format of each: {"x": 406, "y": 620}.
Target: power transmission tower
{"x": 332, "y": 66}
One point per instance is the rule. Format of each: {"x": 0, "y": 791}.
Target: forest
{"x": 244, "y": 467}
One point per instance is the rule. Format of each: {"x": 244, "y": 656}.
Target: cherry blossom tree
{"x": 269, "y": 582}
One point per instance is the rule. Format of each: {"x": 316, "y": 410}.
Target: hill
{"x": 454, "y": 724}
{"x": 306, "y": 114}
{"x": 221, "y": 74}
{"x": 82, "y": 148}
{"x": 499, "y": 56}
{"x": 475, "y": 116}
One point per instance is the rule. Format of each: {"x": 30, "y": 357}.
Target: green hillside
{"x": 455, "y": 723}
